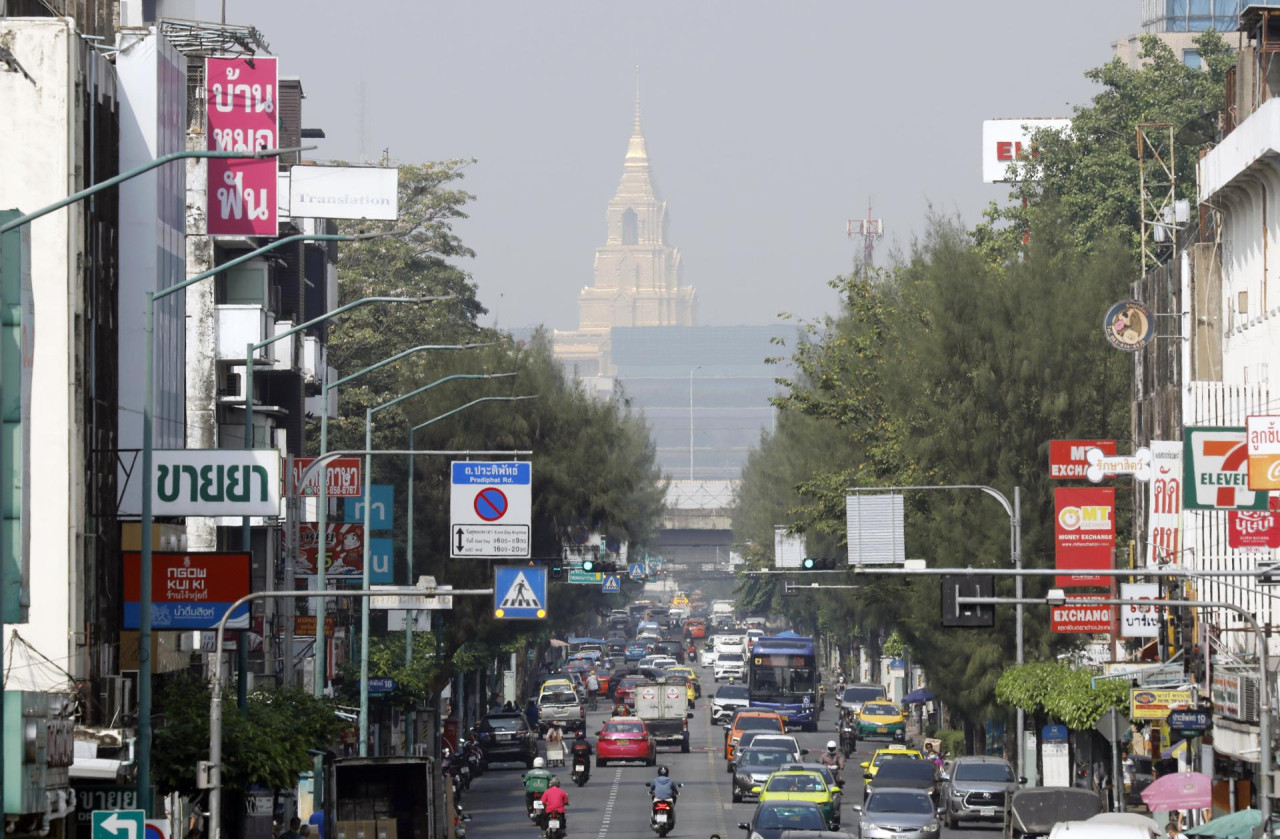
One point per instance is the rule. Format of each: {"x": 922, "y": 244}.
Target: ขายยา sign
{"x": 215, "y": 482}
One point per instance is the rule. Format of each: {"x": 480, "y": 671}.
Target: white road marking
{"x": 608, "y": 807}
{"x": 721, "y": 804}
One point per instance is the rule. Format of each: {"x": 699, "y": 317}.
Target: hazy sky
{"x": 768, "y": 124}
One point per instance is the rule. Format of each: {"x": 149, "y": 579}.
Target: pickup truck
{"x": 564, "y": 707}
{"x": 664, "y": 708}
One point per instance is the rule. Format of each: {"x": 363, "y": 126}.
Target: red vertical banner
{"x": 1085, "y": 534}
{"x": 241, "y": 115}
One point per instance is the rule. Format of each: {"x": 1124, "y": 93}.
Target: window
{"x": 1192, "y": 59}
{"x": 630, "y": 228}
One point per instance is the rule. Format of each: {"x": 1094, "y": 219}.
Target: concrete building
{"x": 1178, "y": 22}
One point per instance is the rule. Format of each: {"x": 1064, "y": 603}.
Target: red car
{"x": 626, "y": 691}
{"x": 625, "y": 739}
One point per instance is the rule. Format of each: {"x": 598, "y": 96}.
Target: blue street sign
{"x": 1054, "y": 734}
{"x": 383, "y": 513}
{"x": 636, "y": 570}
{"x": 610, "y": 584}
{"x": 382, "y": 685}
{"x": 1189, "y": 721}
{"x": 118, "y": 824}
{"x": 381, "y": 570}
{"x": 520, "y": 591}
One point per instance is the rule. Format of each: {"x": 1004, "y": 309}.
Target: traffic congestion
{"x": 700, "y": 723}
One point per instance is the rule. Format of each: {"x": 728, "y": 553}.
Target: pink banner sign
{"x": 240, "y": 111}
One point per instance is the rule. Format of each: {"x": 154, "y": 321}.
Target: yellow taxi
{"x": 693, "y": 678}
{"x": 878, "y": 718}
{"x": 557, "y": 684}
{"x": 871, "y": 767}
{"x": 802, "y": 785}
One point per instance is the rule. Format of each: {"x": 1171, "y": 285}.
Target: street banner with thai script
{"x": 1164, "y": 504}
{"x": 1068, "y": 460}
{"x": 1081, "y": 618}
{"x": 344, "y": 477}
{"x": 1140, "y": 621}
{"x": 215, "y": 482}
{"x": 1263, "y": 438}
{"x": 241, "y": 115}
{"x": 1085, "y": 533}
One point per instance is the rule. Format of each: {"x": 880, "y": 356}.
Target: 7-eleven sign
{"x": 1216, "y": 474}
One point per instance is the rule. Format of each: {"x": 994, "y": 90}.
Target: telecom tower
{"x": 870, "y": 229}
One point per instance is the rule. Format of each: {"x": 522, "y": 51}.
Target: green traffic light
{"x": 588, "y": 565}
{"x": 809, "y": 563}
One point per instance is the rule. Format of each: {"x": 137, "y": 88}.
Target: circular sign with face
{"x": 1128, "y": 325}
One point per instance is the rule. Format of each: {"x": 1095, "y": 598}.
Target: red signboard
{"x": 188, "y": 590}
{"x": 1072, "y": 617}
{"x": 1256, "y": 529}
{"x": 344, "y": 551}
{"x": 1067, "y": 457}
{"x": 345, "y": 477}
{"x": 1085, "y": 533}
{"x": 240, "y": 112}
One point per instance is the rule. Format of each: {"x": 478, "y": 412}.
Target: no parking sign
{"x": 490, "y": 507}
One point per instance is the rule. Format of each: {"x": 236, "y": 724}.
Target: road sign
{"x": 382, "y": 560}
{"x": 1112, "y": 725}
{"x": 636, "y": 570}
{"x": 1189, "y": 723}
{"x": 520, "y": 592}
{"x": 585, "y": 578}
{"x": 118, "y": 824}
{"x": 382, "y": 504}
{"x": 382, "y": 685}
{"x": 490, "y": 508}
{"x": 442, "y": 600}
{"x": 610, "y": 584}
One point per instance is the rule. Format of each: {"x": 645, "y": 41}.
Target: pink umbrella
{"x": 1179, "y": 791}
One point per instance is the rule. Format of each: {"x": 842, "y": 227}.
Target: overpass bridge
{"x": 696, "y": 532}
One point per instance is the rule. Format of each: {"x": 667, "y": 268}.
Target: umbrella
{"x": 1179, "y": 791}
{"x": 917, "y": 697}
{"x": 1234, "y": 826}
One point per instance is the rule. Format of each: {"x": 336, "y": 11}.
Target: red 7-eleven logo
{"x": 1233, "y": 454}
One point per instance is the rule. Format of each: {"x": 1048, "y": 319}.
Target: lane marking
{"x": 608, "y": 807}
{"x": 721, "y": 804}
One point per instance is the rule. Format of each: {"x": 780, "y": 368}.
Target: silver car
{"x": 976, "y": 788}
{"x": 897, "y": 813}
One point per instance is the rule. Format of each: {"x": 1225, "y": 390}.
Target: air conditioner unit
{"x": 117, "y": 699}
{"x": 233, "y": 384}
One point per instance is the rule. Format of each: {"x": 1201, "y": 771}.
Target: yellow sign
{"x": 1262, "y": 434}
{"x": 1148, "y": 704}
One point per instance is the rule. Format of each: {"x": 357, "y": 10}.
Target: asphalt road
{"x": 615, "y": 803}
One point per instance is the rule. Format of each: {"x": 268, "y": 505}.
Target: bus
{"x": 782, "y": 676}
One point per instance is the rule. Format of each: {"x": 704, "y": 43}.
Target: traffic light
{"x": 594, "y": 566}
{"x": 557, "y": 570}
{"x": 813, "y": 563}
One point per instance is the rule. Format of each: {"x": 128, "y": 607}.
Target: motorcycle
{"x": 535, "y": 811}
{"x": 581, "y": 769}
{"x": 848, "y": 735}
{"x": 554, "y": 826}
{"x": 663, "y": 816}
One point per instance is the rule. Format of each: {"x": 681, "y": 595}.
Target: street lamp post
{"x": 368, "y": 481}
{"x": 691, "y": 372}
{"x": 1014, "y": 511}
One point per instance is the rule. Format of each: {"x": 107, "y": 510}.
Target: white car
{"x": 731, "y": 644}
{"x": 708, "y": 656}
{"x": 726, "y": 700}
{"x": 662, "y": 662}
{"x": 730, "y": 665}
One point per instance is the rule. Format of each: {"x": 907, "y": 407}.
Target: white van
{"x": 730, "y": 644}
{"x": 1109, "y": 826}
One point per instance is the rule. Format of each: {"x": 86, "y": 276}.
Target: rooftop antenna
{"x": 870, "y": 229}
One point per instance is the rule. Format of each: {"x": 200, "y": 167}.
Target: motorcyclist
{"x": 833, "y": 760}
{"x": 555, "y": 800}
{"x": 662, "y": 788}
{"x": 582, "y": 752}
{"x": 536, "y": 781}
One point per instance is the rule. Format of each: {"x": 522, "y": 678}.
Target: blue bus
{"x": 782, "y": 676}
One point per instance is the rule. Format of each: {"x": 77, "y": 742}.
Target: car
{"x": 626, "y": 689}
{"x": 754, "y": 766}
{"x": 726, "y": 700}
{"x": 691, "y": 675}
{"x": 1034, "y": 811}
{"x": 772, "y": 818}
{"x": 507, "y": 737}
{"x": 904, "y": 772}
{"x": 708, "y": 656}
{"x": 729, "y": 666}
{"x": 556, "y": 682}
{"x": 897, "y": 813}
{"x": 695, "y": 628}
{"x": 881, "y": 719}
{"x": 802, "y": 785}
{"x": 747, "y": 720}
{"x": 854, "y": 696}
{"x": 828, "y": 775}
{"x": 671, "y": 649}
{"x": 561, "y": 706}
{"x": 634, "y": 651}
{"x": 625, "y": 739}
{"x": 879, "y": 756}
{"x": 975, "y": 788}
{"x": 765, "y": 739}
{"x": 730, "y": 643}
{"x": 664, "y": 662}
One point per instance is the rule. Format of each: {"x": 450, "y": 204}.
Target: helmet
{"x": 580, "y": 734}
{"x": 664, "y": 771}
{"x": 555, "y": 782}
{"x": 831, "y": 745}
{"x": 539, "y": 763}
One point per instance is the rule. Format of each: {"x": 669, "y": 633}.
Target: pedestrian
{"x": 306, "y": 831}
{"x": 294, "y": 831}
{"x": 1172, "y": 831}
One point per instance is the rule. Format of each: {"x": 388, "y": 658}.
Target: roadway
{"x": 615, "y": 804}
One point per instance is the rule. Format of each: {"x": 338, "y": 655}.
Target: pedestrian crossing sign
{"x": 610, "y": 584}
{"x": 520, "y": 592}
{"x": 636, "y": 570}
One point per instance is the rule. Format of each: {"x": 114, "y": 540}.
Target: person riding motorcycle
{"x": 554, "y": 800}
{"x": 582, "y": 752}
{"x": 536, "y": 782}
{"x": 833, "y": 760}
{"x": 662, "y": 788}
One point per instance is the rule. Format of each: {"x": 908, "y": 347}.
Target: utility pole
{"x": 871, "y": 230}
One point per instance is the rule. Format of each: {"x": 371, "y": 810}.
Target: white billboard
{"x": 351, "y": 192}
{"x": 1140, "y": 621}
{"x": 788, "y": 548}
{"x": 1006, "y": 141}
{"x": 208, "y": 482}
{"x": 873, "y": 526}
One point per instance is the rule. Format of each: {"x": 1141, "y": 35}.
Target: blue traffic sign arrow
{"x": 610, "y": 584}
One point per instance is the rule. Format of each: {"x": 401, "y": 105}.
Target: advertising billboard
{"x": 1155, "y": 704}
{"x": 1084, "y": 533}
{"x": 344, "y": 549}
{"x": 1216, "y": 470}
{"x": 209, "y": 482}
{"x": 350, "y": 192}
{"x": 1073, "y": 617}
{"x": 1164, "y": 521}
{"x": 1263, "y": 438}
{"x": 1067, "y": 458}
{"x": 1006, "y": 141}
{"x": 1253, "y": 530}
{"x": 241, "y": 115}
{"x": 344, "y": 477}
{"x": 1140, "y": 621}
{"x": 188, "y": 590}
